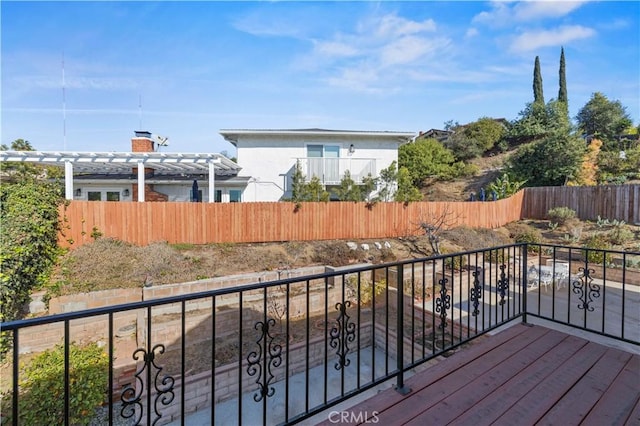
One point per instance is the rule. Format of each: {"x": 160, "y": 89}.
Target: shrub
{"x": 524, "y": 233}
{"x": 42, "y": 384}
{"x": 597, "y": 242}
{"x": 619, "y": 235}
{"x": 366, "y": 289}
{"x": 561, "y": 214}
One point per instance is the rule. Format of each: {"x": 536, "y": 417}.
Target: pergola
{"x": 164, "y": 163}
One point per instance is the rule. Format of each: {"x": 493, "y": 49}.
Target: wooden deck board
{"x": 616, "y": 405}
{"x": 504, "y": 397}
{"x": 576, "y": 404}
{"x": 472, "y": 392}
{"x": 387, "y": 399}
{"x": 523, "y": 375}
{"x": 435, "y": 393}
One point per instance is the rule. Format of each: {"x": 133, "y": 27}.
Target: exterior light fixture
{"x": 352, "y": 149}
{"x": 78, "y": 192}
{"x": 125, "y": 193}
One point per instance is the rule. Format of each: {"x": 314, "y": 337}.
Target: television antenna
{"x": 160, "y": 141}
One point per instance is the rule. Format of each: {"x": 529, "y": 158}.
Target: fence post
{"x": 400, "y": 386}
{"x": 525, "y": 279}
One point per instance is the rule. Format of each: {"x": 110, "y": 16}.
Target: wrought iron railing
{"x": 282, "y": 351}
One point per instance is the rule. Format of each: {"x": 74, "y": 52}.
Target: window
{"x": 113, "y": 196}
{"x": 218, "y": 196}
{"x": 235, "y": 195}
{"x": 323, "y": 162}
{"x": 94, "y": 196}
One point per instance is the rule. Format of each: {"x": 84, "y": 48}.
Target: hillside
{"x": 460, "y": 189}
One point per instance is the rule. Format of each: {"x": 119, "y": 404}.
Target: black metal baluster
{"x": 306, "y": 371}
{"x": 183, "y": 347}
{"x": 386, "y": 319}
{"x": 359, "y": 306}
{"x": 110, "y": 354}
{"x": 213, "y": 360}
{"x": 400, "y": 386}
{"x": 240, "y": 359}
{"x": 16, "y": 376}
{"x": 288, "y": 354}
{"x": 67, "y": 393}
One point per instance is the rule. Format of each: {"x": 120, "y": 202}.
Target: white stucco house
{"x": 269, "y": 157}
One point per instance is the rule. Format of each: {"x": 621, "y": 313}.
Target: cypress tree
{"x": 562, "y": 92}
{"x": 538, "y": 96}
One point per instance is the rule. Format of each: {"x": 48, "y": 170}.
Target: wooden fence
{"x": 201, "y": 223}
{"x": 620, "y": 202}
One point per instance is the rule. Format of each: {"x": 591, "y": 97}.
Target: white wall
{"x": 269, "y": 160}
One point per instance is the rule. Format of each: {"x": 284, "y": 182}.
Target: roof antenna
{"x": 64, "y": 108}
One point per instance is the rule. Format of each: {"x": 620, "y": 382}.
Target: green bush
{"x": 366, "y": 289}
{"x": 597, "y": 242}
{"x": 620, "y": 235}
{"x": 41, "y": 399}
{"x": 531, "y": 236}
{"x": 561, "y": 214}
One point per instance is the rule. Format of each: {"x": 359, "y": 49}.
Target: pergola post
{"x": 212, "y": 182}
{"x": 68, "y": 180}
{"x": 140, "y": 182}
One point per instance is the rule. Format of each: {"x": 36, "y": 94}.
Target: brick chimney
{"x": 142, "y": 142}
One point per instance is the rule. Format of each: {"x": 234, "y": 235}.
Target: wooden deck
{"x": 523, "y": 375}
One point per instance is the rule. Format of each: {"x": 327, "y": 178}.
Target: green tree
{"x": 538, "y": 96}
{"x": 538, "y": 121}
{"x": 475, "y": 138}
{"x": 298, "y": 184}
{"x": 562, "y": 91}
{"x": 369, "y": 184}
{"x": 388, "y": 182}
{"x": 302, "y": 191}
{"x": 314, "y": 191}
{"x": 348, "y": 190}
{"x": 406, "y": 192}
{"x": 552, "y": 161}
{"x": 425, "y": 158}
{"x": 604, "y": 119}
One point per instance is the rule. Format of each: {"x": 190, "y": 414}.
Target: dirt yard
{"x": 109, "y": 264}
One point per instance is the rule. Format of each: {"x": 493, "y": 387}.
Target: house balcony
{"x": 517, "y": 334}
{"x": 330, "y": 171}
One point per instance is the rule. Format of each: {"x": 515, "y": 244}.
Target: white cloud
{"x": 503, "y": 13}
{"x": 471, "y": 32}
{"x": 335, "y": 48}
{"x": 377, "y": 53}
{"x": 531, "y": 40}
{"x": 393, "y": 25}
{"x": 409, "y": 49}
{"x": 530, "y": 10}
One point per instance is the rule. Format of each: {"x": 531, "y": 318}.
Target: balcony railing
{"x": 282, "y": 351}
{"x": 330, "y": 171}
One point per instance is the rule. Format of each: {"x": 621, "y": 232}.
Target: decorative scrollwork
{"x": 503, "y": 285}
{"x": 443, "y": 303}
{"x": 475, "y": 293}
{"x": 131, "y": 396}
{"x": 268, "y": 356}
{"x": 342, "y": 334}
{"x": 586, "y": 290}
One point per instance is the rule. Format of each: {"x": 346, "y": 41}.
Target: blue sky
{"x": 199, "y": 67}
